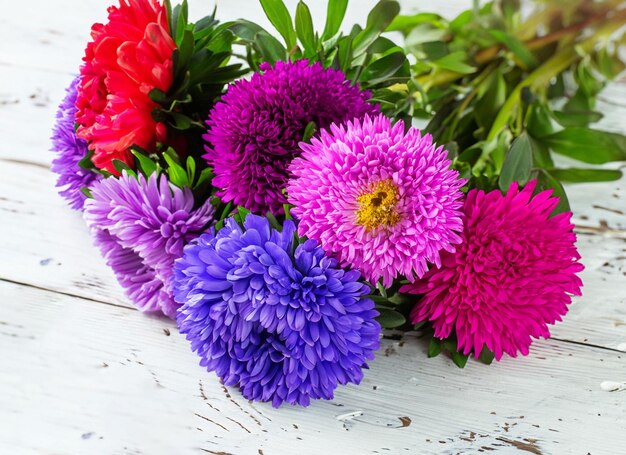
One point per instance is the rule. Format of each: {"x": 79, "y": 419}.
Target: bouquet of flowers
{"x": 273, "y": 196}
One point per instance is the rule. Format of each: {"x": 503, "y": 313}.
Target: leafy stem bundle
{"x": 504, "y": 90}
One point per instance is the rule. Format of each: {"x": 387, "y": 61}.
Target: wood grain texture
{"x": 84, "y": 373}
{"x": 86, "y": 386}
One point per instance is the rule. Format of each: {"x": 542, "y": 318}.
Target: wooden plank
{"x": 85, "y": 378}
{"x": 599, "y": 316}
{"x": 45, "y": 244}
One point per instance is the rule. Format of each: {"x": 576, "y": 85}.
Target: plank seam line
{"x": 588, "y": 345}
{"x": 26, "y": 163}
{"x": 68, "y": 294}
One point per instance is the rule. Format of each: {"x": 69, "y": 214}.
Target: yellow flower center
{"x": 378, "y": 206}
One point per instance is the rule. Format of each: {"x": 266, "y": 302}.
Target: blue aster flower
{"x": 277, "y": 318}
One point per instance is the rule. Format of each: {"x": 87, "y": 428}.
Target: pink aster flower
{"x": 513, "y": 274}
{"x": 381, "y": 200}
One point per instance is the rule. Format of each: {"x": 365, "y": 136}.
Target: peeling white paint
{"x": 612, "y": 386}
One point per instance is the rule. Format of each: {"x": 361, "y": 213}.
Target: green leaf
{"x": 464, "y": 18}
{"x": 287, "y": 209}
{"x": 517, "y": 47}
{"x": 454, "y": 61}
{"x": 486, "y": 356}
{"x": 424, "y": 33}
{"x": 335, "y": 13}
{"x": 609, "y": 63}
{"x": 541, "y": 155}
{"x": 539, "y": 120}
{"x": 383, "y": 68}
{"x": 85, "y": 190}
{"x": 577, "y": 118}
{"x": 226, "y": 211}
{"x": 180, "y": 121}
{"x": 377, "y": 21}
{"x": 304, "y": 27}
{"x": 460, "y": 360}
{"x": 205, "y": 176}
{"x": 159, "y": 97}
{"x": 178, "y": 20}
{"x": 450, "y": 344}
{"x": 177, "y": 175}
{"x": 246, "y": 30}
{"x": 406, "y": 23}
{"x": 400, "y": 299}
{"x": 389, "y": 319}
{"x": 588, "y": 145}
{"x": 242, "y": 212}
{"x": 585, "y": 175}
{"x": 121, "y": 167}
{"x": 545, "y": 182}
{"x": 270, "y": 48}
{"x": 279, "y": 16}
{"x": 435, "y": 347}
{"x": 381, "y": 289}
{"x": 273, "y": 221}
{"x": 85, "y": 162}
{"x": 344, "y": 53}
{"x": 434, "y": 50}
{"x": 309, "y": 131}
{"x": 184, "y": 52}
{"x": 146, "y": 165}
{"x": 191, "y": 169}
{"x": 517, "y": 163}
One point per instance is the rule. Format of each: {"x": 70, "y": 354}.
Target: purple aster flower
{"x": 140, "y": 281}
{"x": 150, "y": 221}
{"x": 285, "y": 326}
{"x": 70, "y": 150}
{"x": 381, "y": 200}
{"x": 254, "y": 131}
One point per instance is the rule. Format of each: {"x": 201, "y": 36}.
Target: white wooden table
{"x": 83, "y": 372}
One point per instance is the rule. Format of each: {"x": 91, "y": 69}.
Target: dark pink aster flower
{"x": 254, "y": 131}
{"x": 381, "y": 200}
{"x": 147, "y": 224}
{"x": 513, "y": 274}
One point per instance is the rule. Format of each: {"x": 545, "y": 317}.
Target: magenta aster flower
{"x": 511, "y": 277}
{"x": 147, "y": 224}
{"x": 254, "y": 131}
{"x": 380, "y": 200}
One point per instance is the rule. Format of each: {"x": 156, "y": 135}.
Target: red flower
{"x": 128, "y": 57}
